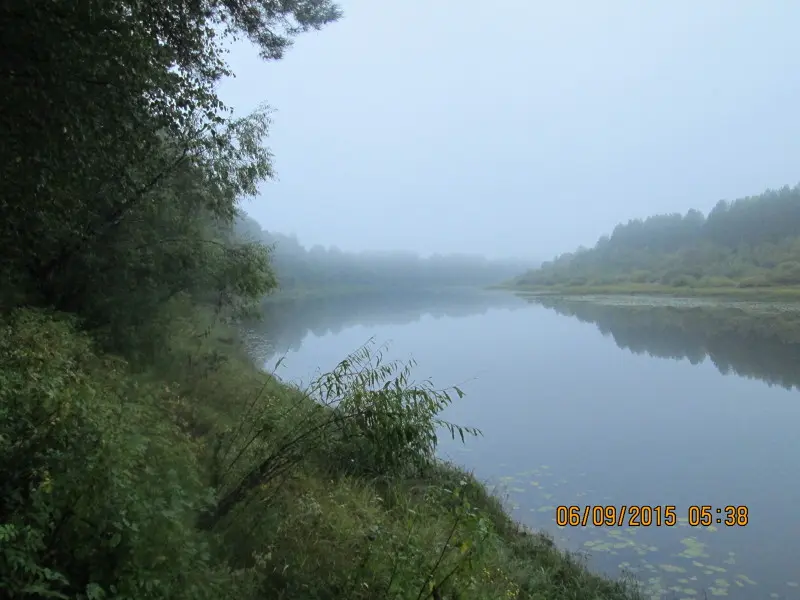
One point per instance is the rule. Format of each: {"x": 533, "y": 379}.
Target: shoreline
{"x": 764, "y": 294}
{"x": 271, "y": 490}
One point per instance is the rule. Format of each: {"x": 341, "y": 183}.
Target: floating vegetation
{"x": 672, "y": 569}
{"x": 717, "y": 591}
{"x": 693, "y": 548}
{"x": 676, "y": 567}
{"x": 528, "y": 473}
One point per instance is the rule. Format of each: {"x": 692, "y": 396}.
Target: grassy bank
{"x": 203, "y": 476}
{"x": 651, "y": 289}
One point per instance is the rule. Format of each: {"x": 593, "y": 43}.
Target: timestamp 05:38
{"x": 644, "y": 515}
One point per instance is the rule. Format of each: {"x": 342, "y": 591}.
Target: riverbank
{"x": 787, "y": 293}
{"x": 205, "y": 477}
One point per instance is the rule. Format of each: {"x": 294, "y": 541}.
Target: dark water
{"x": 606, "y": 403}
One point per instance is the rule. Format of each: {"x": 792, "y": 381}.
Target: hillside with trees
{"x": 753, "y": 242}
{"x": 318, "y": 268}
{"x": 143, "y": 455}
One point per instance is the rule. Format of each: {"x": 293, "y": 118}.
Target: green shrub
{"x": 786, "y": 273}
{"x": 98, "y": 485}
{"x": 383, "y": 423}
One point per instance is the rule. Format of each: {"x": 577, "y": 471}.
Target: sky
{"x": 521, "y": 128}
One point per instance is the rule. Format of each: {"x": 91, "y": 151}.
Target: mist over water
{"x": 603, "y": 404}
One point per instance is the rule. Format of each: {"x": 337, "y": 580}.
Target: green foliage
{"x": 365, "y": 417}
{"x": 384, "y": 423}
{"x": 344, "y": 541}
{"x": 130, "y": 183}
{"x": 752, "y": 242}
{"x": 99, "y": 485}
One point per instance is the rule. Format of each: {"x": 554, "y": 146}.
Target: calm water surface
{"x": 603, "y": 403}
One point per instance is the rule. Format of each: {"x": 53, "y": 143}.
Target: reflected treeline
{"x": 760, "y": 342}
{"x": 285, "y": 324}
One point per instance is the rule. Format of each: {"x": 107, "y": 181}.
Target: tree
{"x": 111, "y": 121}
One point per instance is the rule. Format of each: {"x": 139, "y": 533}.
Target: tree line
{"x": 298, "y": 267}
{"x": 749, "y": 242}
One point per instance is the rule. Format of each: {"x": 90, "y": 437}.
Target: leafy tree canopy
{"x": 121, "y": 168}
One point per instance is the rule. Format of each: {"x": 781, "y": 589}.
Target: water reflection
{"x": 285, "y": 324}
{"x": 568, "y": 420}
{"x": 759, "y": 341}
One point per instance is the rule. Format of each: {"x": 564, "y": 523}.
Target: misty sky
{"x": 522, "y": 128}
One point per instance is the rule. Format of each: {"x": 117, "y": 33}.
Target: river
{"x": 604, "y": 402}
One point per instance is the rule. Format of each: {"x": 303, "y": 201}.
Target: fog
{"x": 525, "y": 130}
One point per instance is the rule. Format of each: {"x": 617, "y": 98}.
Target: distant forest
{"x": 298, "y": 268}
{"x": 750, "y": 242}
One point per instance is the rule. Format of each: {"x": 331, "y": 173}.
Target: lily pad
{"x": 672, "y": 569}
{"x": 715, "y": 591}
{"x": 693, "y": 548}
